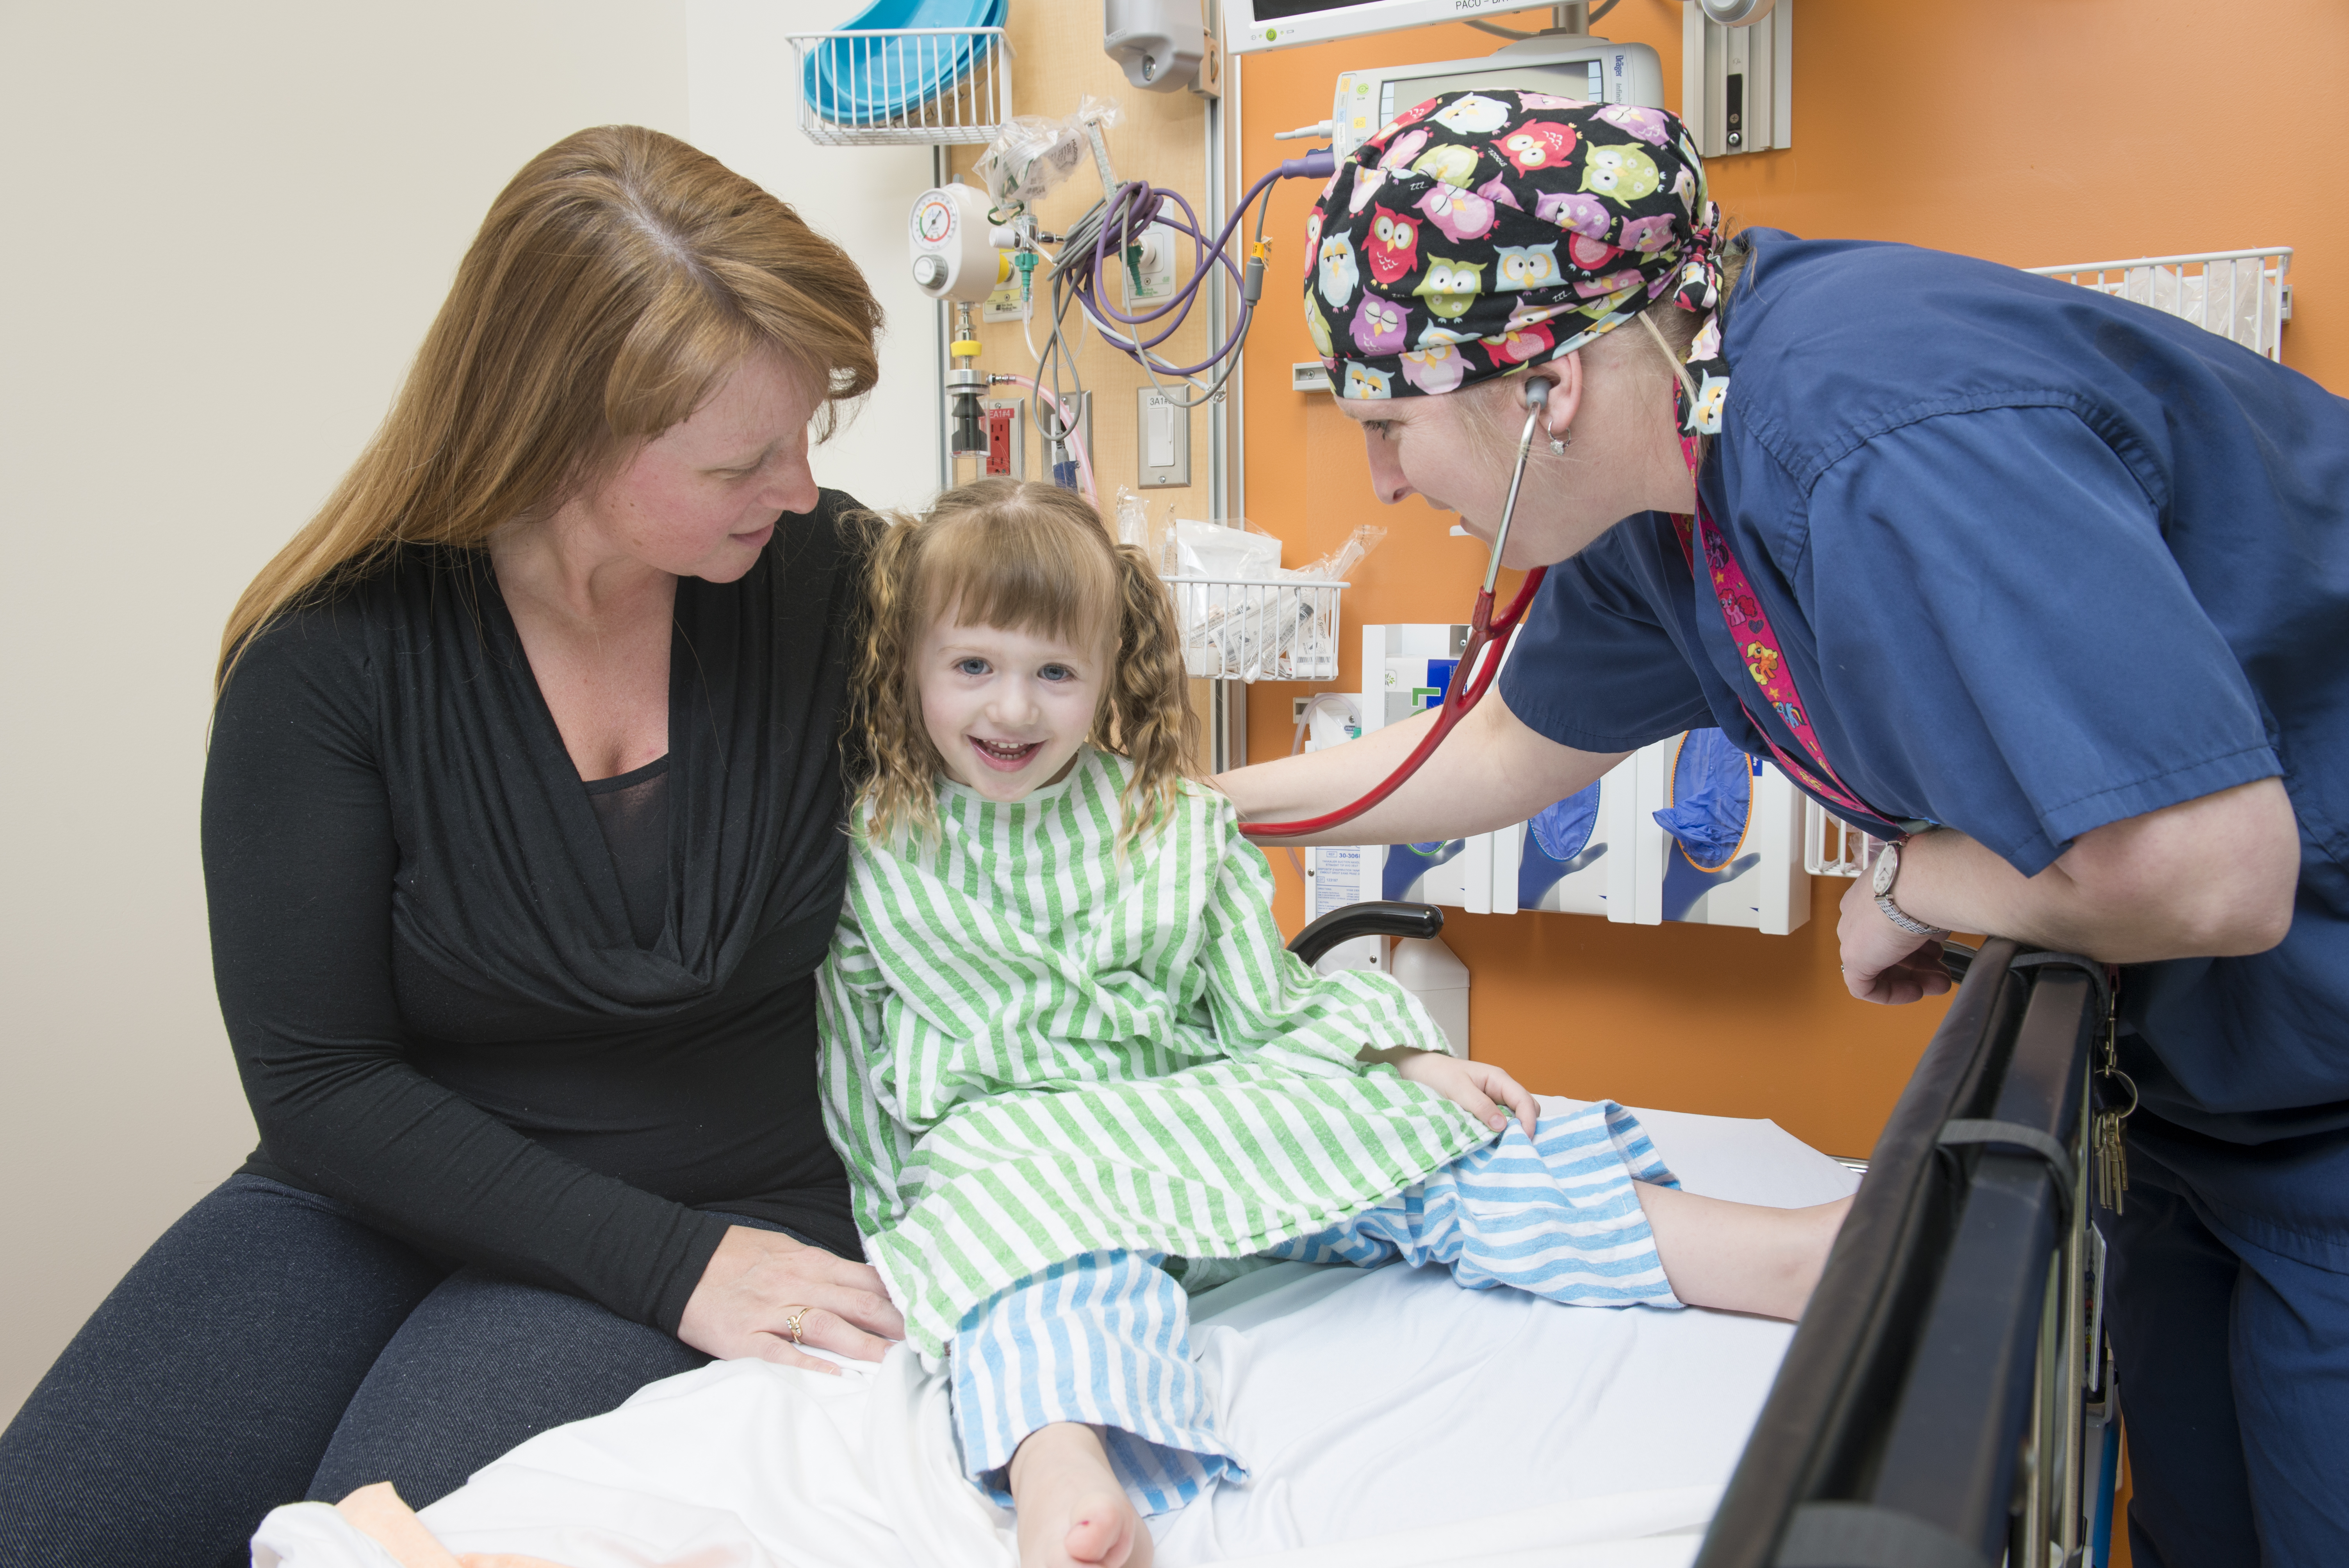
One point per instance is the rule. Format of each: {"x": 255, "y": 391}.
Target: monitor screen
{"x": 1277, "y": 10}
{"x": 1276, "y": 24}
{"x": 1583, "y": 79}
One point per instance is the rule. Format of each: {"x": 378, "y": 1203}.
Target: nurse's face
{"x": 700, "y": 498}
{"x": 1456, "y": 450}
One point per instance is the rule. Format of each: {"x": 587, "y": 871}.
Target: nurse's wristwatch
{"x": 1888, "y": 871}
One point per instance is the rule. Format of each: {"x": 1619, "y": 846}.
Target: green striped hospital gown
{"x": 1036, "y": 1046}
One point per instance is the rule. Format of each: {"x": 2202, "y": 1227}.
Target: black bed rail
{"x": 1918, "y": 1419}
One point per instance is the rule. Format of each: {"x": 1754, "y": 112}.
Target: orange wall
{"x": 2032, "y": 132}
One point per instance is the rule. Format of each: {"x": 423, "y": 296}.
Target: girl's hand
{"x": 758, "y": 1281}
{"x": 1474, "y": 1086}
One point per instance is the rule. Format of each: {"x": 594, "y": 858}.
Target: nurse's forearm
{"x": 2213, "y": 877}
{"x": 1491, "y": 772}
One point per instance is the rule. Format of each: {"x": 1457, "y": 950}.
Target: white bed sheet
{"x": 1392, "y": 1419}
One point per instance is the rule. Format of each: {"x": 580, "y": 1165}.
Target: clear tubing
{"x": 1076, "y": 436}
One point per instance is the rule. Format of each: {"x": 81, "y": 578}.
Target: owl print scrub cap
{"x": 1484, "y": 232}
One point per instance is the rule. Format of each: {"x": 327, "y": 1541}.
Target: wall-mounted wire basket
{"x": 1832, "y": 848}
{"x": 1257, "y": 629}
{"x": 903, "y": 85}
{"x": 2245, "y": 296}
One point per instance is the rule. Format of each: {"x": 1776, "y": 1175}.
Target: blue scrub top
{"x": 2038, "y": 559}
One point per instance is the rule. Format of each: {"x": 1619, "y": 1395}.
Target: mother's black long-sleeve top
{"x": 513, "y": 1020}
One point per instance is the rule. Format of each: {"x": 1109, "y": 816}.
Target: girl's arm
{"x": 873, "y": 1143}
{"x": 1264, "y": 1000}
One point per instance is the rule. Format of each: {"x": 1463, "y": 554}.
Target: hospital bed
{"x": 1946, "y": 1401}
{"x": 1396, "y": 1422}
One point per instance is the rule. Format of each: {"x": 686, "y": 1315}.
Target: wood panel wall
{"x": 1057, "y": 61}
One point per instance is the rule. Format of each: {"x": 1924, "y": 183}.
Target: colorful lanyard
{"x": 1757, "y": 644}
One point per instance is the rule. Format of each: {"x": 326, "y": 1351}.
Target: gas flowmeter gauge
{"x": 934, "y": 219}
{"x": 953, "y": 257}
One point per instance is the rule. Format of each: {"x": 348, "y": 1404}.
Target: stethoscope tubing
{"x": 1471, "y": 678}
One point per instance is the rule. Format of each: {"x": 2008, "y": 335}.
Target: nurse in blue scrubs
{"x": 2052, "y": 588}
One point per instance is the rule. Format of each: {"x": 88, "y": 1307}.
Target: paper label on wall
{"x": 1337, "y": 877}
{"x": 1004, "y": 304}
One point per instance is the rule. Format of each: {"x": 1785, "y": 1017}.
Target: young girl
{"x": 1070, "y": 1063}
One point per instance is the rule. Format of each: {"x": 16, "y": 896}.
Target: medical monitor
{"x": 1277, "y": 23}
{"x": 1580, "y": 67}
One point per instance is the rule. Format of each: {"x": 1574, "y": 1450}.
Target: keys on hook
{"x": 2108, "y": 1152}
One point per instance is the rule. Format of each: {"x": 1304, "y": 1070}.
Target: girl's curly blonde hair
{"x": 1026, "y": 557}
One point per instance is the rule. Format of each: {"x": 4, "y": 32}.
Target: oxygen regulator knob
{"x": 929, "y": 271}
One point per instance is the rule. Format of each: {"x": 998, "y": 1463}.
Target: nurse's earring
{"x": 1558, "y": 441}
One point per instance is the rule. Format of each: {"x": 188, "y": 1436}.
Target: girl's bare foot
{"x": 1071, "y": 1511}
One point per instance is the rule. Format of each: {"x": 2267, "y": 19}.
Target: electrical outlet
{"x": 1006, "y": 445}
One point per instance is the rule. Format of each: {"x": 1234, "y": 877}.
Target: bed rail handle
{"x": 2030, "y": 1139}
{"x": 1376, "y": 918}
{"x": 1857, "y": 1535}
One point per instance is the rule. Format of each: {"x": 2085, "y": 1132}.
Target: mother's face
{"x": 700, "y": 498}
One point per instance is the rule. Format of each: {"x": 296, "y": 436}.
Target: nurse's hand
{"x": 1882, "y": 963}
{"x": 758, "y": 1281}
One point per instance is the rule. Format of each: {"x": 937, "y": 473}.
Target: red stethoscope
{"x": 1472, "y": 679}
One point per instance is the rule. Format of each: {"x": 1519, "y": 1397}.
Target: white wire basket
{"x": 1832, "y": 848}
{"x": 2245, "y": 296}
{"x": 903, "y": 85}
{"x": 1257, "y": 629}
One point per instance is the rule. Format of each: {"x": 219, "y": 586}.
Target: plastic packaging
{"x": 1250, "y": 620}
{"x": 1133, "y": 520}
{"x": 1213, "y": 549}
{"x": 1339, "y": 563}
{"x": 1239, "y": 623}
{"x": 1032, "y": 154}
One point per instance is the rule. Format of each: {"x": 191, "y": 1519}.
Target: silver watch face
{"x": 1888, "y": 866}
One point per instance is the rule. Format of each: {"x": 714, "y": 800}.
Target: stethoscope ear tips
{"x": 1536, "y": 392}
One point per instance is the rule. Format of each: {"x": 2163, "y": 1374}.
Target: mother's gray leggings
{"x": 271, "y": 1347}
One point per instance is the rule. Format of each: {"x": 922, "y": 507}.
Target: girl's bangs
{"x": 1023, "y": 570}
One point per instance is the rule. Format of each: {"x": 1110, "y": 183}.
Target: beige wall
{"x": 744, "y": 111}
{"x": 228, "y": 226}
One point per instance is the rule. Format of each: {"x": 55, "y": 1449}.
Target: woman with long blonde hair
{"x": 522, "y": 839}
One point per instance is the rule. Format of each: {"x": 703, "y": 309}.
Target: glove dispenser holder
{"x": 1738, "y": 860}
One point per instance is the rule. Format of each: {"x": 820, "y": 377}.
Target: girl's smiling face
{"x": 1007, "y": 709}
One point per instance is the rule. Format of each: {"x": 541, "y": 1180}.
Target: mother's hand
{"x": 757, "y": 1279}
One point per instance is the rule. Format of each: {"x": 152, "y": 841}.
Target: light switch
{"x": 1163, "y": 451}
